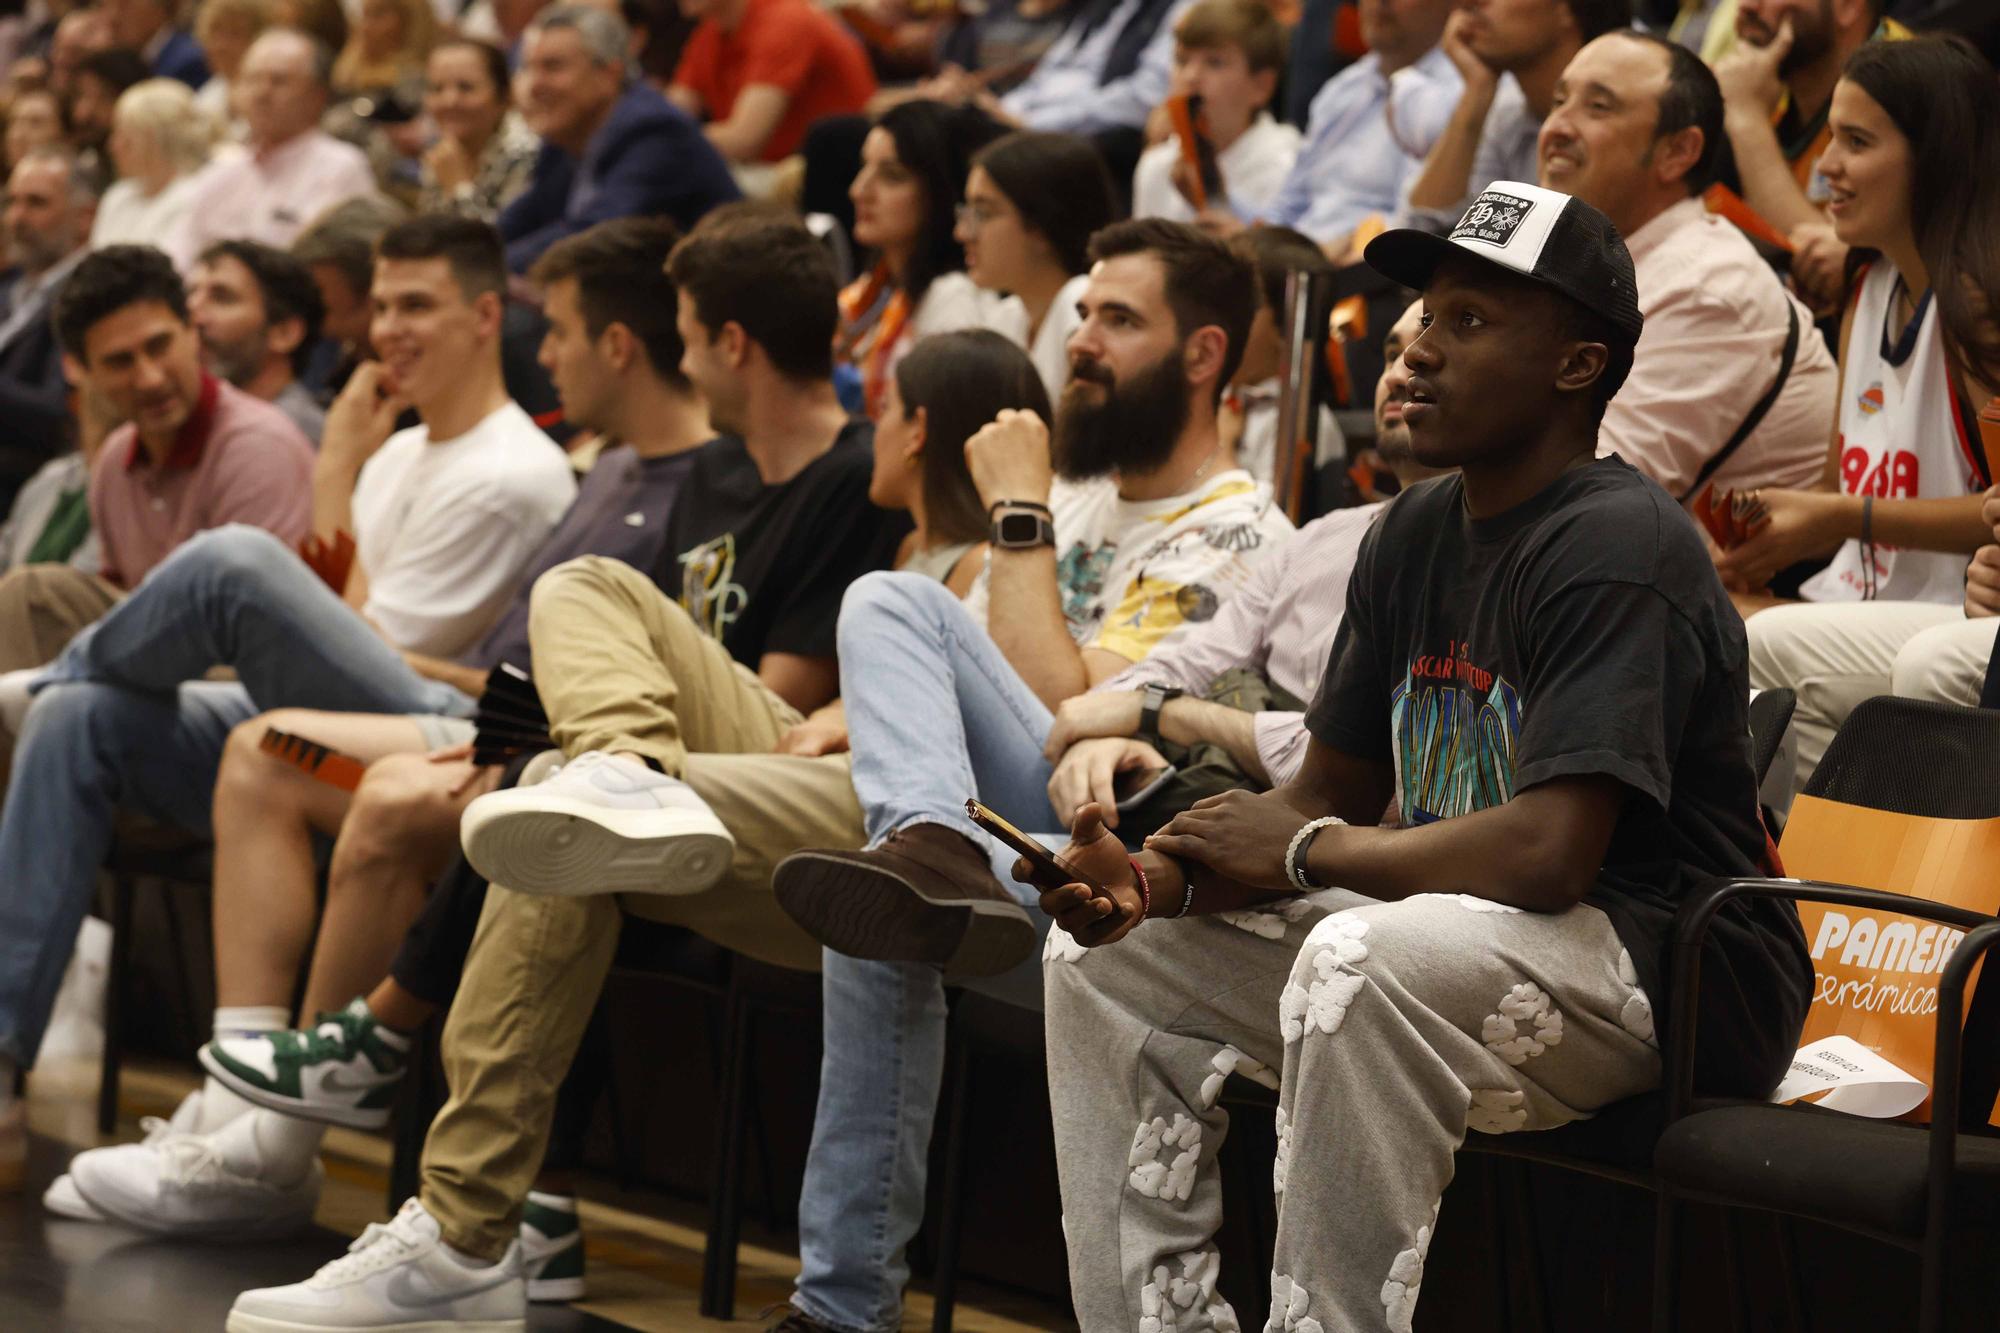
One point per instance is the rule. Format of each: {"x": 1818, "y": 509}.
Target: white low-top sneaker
{"x": 180, "y": 1187}
{"x": 400, "y": 1276}
{"x": 64, "y": 1199}
{"x": 599, "y": 824}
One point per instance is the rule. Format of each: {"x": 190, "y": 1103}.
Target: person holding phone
{"x": 1539, "y": 670}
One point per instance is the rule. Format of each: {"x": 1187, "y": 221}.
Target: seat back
{"x": 1770, "y": 714}
{"x": 1907, "y": 800}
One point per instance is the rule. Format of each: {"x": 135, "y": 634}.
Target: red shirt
{"x": 792, "y": 45}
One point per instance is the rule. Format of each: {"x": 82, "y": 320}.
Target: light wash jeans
{"x": 934, "y": 715}
{"x": 122, "y": 721}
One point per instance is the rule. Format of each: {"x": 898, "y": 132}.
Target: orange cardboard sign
{"x": 1876, "y": 974}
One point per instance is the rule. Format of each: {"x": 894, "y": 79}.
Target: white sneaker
{"x": 551, "y": 1248}
{"x": 402, "y": 1277}
{"x": 599, "y": 824}
{"x": 180, "y": 1187}
{"x": 64, "y": 1199}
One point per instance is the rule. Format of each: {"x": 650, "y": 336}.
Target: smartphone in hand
{"x": 1049, "y": 871}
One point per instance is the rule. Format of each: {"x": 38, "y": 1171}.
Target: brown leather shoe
{"x": 926, "y": 895}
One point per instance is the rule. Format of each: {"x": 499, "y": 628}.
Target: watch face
{"x": 1020, "y": 529}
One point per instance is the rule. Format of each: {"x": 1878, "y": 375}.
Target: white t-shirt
{"x": 444, "y": 528}
{"x": 1252, "y": 170}
{"x": 1134, "y": 574}
{"x": 1050, "y": 351}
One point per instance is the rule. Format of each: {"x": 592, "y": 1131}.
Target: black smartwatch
{"x": 1152, "y": 699}
{"x": 1020, "y": 525}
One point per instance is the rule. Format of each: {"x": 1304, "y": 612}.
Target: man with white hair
{"x": 50, "y": 207}
{"x": 612, "y": 147}
{"x": 293, "y": 170}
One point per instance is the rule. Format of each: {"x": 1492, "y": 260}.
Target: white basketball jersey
{"x": 1900, "y": 439}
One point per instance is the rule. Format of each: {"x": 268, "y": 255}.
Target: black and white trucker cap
{"x": 1543, "y": 235}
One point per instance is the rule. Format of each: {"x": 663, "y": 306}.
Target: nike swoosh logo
{"x": 339, "y": 1081}
{"x": 411, "y": 1289}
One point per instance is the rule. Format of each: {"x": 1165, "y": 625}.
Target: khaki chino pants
{"x": 620, "y": 667}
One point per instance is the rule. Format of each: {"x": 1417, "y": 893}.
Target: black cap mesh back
{"x": 1586, "y": 257}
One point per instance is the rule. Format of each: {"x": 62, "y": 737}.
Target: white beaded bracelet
{"x": 1295, "y": 866}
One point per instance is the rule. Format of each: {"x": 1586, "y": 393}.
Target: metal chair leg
{"x": 718, "y": 1277}
{"x": 951, "y": 1212}
{"x": 117, "y": 980}
{"x": 1667, "y": 1264}
{"x": 1732, "y": 1270}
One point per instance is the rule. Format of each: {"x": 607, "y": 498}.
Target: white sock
{"x": 269, "y": 1146}
{"x": 219, "y": 1105}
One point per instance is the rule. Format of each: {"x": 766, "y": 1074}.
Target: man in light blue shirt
{"x": 1356, "y": 161}
{"x": 1107, "y": 71}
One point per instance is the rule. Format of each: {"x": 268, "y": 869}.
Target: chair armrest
{"x": 1691, "y": 926}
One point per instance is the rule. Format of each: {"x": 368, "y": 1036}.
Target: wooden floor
{"x": 644, "y": 1252}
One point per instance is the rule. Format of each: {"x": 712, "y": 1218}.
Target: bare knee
{"x": 249, "y": 773}
{"x": 403, "y": 814}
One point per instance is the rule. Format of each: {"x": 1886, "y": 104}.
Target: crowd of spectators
{"x": 677, "y": 454}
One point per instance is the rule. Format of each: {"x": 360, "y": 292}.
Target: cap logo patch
{"x": 1493, "y": 218}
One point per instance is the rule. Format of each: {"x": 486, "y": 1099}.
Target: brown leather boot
{"x": 926, "y": 895}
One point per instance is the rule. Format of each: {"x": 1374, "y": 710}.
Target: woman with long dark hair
{"x": 1913, "y": 171}
{"x": 1031, "y": 204}
{"x": 906, "y": 198}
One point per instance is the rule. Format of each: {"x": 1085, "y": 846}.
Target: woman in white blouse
{"x": 159, "y": 140}
{"x": 1031, "y": 203}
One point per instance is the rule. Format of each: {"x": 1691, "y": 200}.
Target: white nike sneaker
{"x": 181, "y": 1187}
{"x": 599, "y": 824}
{"x": 400, "y": 1276}
{"x": 64, "y": 1199}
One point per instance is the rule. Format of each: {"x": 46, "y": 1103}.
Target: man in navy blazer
{"x": 50, "y": 205}
{"x": 147, "y": 26}
{"x": 610, "y": 148}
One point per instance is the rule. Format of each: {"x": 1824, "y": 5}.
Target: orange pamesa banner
{"x": 1877, "y": 973}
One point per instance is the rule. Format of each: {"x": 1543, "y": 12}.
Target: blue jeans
{"x": 934, "y": 714}
{"x": 120, "y": 722}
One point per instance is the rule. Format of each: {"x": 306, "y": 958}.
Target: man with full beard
{"x": 1130, "y": 528}
{"x": 258, "y": 312}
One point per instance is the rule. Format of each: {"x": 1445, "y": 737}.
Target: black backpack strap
{"x": 1757, "y": 412}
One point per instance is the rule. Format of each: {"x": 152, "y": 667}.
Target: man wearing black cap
{"x": 1540, "y": 677}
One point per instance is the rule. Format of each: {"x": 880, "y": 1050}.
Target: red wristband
{"x": 1145, "y": 889}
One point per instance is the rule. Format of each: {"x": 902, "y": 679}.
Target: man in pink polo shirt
{"x": 195, "y": 453}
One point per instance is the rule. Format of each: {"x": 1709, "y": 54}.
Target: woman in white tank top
{"x": 1913, "y": 173}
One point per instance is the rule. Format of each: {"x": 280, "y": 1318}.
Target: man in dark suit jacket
{"x": 50, "y": 206}
{"x": 147, "y": 26}
{"x": 609, "y": 149}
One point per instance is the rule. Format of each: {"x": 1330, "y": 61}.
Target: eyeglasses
{"x": 975, "y": 215}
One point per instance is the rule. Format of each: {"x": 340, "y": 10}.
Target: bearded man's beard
{"x": 1104, "y": 426}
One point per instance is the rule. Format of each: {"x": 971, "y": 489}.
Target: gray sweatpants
{"x": 1396, "y": 1027}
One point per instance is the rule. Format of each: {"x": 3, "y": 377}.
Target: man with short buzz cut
{"x": 1731, "y": 383}
{"x": 1540, "y": 672}
{"x": 1777, "y": 85}
{"x": 611, "y": 145}
{"x": 258, "y": 312}
{"x": 1508, "y": 54}
{"x": 444, "y": 515}
{"x": 50, "y": 206}
{"x": 291, "y": 171}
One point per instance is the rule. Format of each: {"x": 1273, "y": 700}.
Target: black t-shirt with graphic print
{"x": 1582, "y": 632}
{"x": 763, "y": 568}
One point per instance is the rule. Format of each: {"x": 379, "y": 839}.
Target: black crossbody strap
{"x": 1757, "y": 413}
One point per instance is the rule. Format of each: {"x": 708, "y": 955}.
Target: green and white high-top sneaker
{"x": 342, "y": 1071}
{"x": 552, "y": 1247}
